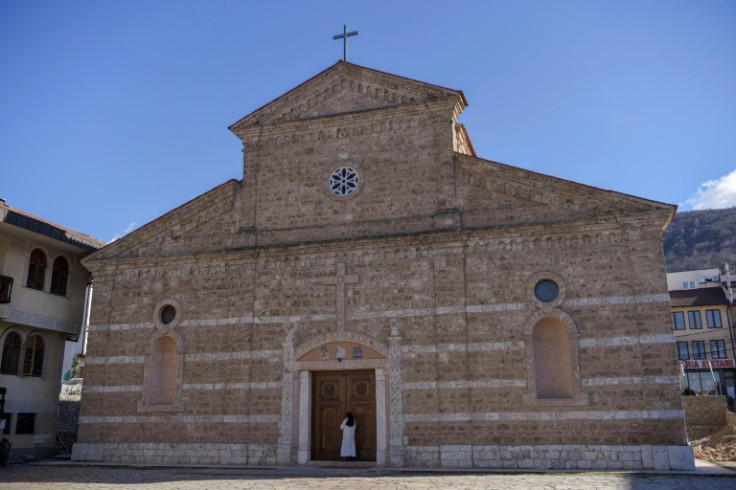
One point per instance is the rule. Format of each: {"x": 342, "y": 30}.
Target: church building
{"x": 469, "y": 314}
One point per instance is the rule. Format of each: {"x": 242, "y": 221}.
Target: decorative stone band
{"x": 181, "y": 419}
{"x": 619, "y": 341}
{"x": 471, "y": 347}
{"x": 489, "y": 383}
{"x": 189, "y": 387}
{"x": 194, "y": 357}
{"x": 552, "y": 457}
{"x": 113, "y": 389}
{"x": 526, "y": 416}
{"x": 366, "y": 315}
{"x": 115, "y": 360}
{"x": 148, "y": 453}
{"x": 633, "y": 380}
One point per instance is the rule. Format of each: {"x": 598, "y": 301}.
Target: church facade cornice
{"x": 499, "y": 238}
{"x": 345, "y": 125}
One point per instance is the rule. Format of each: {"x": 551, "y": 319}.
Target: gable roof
{"x": 21, "y": 219}
{"x": 698, "y": 297}
{"x": 346, "y": 87}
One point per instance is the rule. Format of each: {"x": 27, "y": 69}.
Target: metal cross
{"x": 344, "y": 36}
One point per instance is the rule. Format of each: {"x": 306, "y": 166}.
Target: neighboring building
{"x": 42, "y": 292}
{"x": 703, "y": 327}
{"x": 469, "y": 313}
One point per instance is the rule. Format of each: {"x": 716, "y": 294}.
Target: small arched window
{"x": 33, "y": 354}
{"x": 59, "y": 276}
{"x": 37, "y": 270}
{"x": 11, "y": 354}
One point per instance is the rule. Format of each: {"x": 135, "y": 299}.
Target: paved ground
{"x": 69, "y": 476}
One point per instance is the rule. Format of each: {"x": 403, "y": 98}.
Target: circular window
{"x": 343, "y": 181}
{"x": 167, "y": 314}
{"x": 546, "y": 290}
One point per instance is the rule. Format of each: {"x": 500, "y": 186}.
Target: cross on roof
{"x": 344, "y": 36}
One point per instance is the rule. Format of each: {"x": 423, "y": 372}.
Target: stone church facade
{"x": 469, "y": 313}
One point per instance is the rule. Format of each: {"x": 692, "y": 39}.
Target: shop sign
{"x": 715, "y": 363}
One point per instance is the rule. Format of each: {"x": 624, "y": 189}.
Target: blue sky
{"x": 114, "y": 112}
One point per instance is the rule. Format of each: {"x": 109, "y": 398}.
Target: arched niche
{"x": 162, "y": 377}
{"x": 552, "y": 359}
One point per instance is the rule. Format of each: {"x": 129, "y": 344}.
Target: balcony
{"x": 6, "y": 288}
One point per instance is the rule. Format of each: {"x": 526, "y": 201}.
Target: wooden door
{"x": 334, "y": 394}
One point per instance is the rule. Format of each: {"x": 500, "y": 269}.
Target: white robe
{"x": 348, "y": 439}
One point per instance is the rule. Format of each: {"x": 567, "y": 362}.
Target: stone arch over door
{"x": 305, "y": 364}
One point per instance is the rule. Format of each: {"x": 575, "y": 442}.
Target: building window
{"x": 33, "y": 353}
{"x": 713, "y": 318}
{"x": 702, "y": 382}
{"x": 59, "y": 276}
{"x": 546, "y": 290}
{"x": 11, "y": 354}
{"x": 693, "y": 317}
{"x": 37, "y": 270}
{"x": 718, "y": 349}
{"x": 343, "y": 181}
{"x": 6, "y": 288}
{"x": 7, "y": 418}
{"x": 688, "y": 285}
{"x": 25, "y": 423}
{"x": 168, "y": 313}
{"x": 698, "y": 349}
{"x": 683, "y": 354}
{"x": 678, "y": 319}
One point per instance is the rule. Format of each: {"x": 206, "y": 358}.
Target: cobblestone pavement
{"x": 68, "y": 476}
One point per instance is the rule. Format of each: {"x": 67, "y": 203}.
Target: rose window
{"x": 343, "y": 181}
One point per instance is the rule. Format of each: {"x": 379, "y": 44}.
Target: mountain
{"x": 701, "y": 240}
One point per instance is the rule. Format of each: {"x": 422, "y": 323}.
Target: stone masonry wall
{"x": 461, "y": 304}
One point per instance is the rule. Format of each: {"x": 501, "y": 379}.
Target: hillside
{"x": 701, "y": 240}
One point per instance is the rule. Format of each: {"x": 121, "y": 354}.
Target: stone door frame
{"x": 303, "y": 403}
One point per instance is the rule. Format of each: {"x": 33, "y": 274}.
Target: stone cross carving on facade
{"x": 340, "y": 280}
{"x": 344, "y": 36}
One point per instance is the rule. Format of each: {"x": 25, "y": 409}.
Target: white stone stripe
{"x": 619, "y": 341}
{"x": 489, "y": 383}
{"x": 181, "y": 419}
{"x": 521, "y": 383}
{"x": 202, "y": 356}
{"x": 112, "y": 389}
{"x": 441, "y": 310}
{"x": 189, "y": 386}
{"x": 114, "y": 360}
{"x": 632, "y": 380}
{"x": 232, "y": 386}
{"x": 528, "y": 416}
{"x": 472, "y": 347}
{"x": 619, "y": 300}
{"x": 226, "y": 356}
{"x": 666, "y": 338}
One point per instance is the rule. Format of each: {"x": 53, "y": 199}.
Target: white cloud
{"x": 128, "y": 229}
{"x": 715, "y": 194}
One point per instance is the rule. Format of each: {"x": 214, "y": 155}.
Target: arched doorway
{"x": 340, "y": 373}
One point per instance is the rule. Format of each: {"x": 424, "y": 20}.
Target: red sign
{"x": 715, "y": 363}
